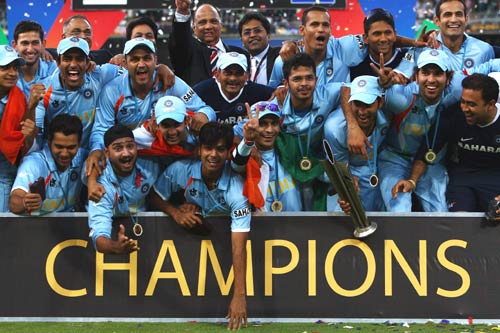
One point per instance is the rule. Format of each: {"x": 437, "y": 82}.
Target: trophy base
{"x": 364, "y": 232}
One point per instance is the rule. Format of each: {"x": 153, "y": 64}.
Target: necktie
{"x": 213, "y": 59}
{"x": 254, "y": 63}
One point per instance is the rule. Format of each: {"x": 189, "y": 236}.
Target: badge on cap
{"x": 361, "y": 83}
{"x": 8, "y": 48}
{"x": 74, "y": 39}
{"x": 234, "y": 54}
{"x": 434, "y": 53}
{"x": 168, "y": 103}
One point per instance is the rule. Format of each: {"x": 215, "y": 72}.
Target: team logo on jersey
{"x": 319, "y": 119}
{"x": 329, "y": 71}
{"x": 52, "y": 183}
{"x": 55, "y": 103}
{"x": 239, "y": 108}
{"x": 434, "y": 53}
{"x": 123, "y": 111}
{"x": 221, "y": 200}
{"x": 361, "y": 83}
{"x": 73, "y": 176}
{"x": 145, "y": 188}
{"x": 497, "y": 139}
{"x": 193, "y": 192}
{"x": 384, "y": 130}
{"x": 469, "y": 62}
{"x": 120, "y": 199}
{"x": 88, "y": 93}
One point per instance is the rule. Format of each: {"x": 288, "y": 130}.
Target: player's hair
{"x": 437, "y": 8}
{"x": 65, "y": 124}
{"x": 27, "y": 26}
{"x": 306, "y": 12}
{"x": 117, "y": 132}
{"x": 488, "y": 86}
{"x": 300, "y": 59}
{"x": 213, "y": 131}
{"x": 74, "y": 17}
{"x": 254, "y": 16}
{"x": 377, "y": 15}
{"x": 141, "y": 20}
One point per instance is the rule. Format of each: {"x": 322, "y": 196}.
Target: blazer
{"x": 191, "y": 57}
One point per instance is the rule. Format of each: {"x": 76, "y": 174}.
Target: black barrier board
{"x": 305, "y": 266}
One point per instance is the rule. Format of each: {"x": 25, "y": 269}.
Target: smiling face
{"x": 452, "y": 19}
{"x": 380, "y": 39}
{"x": 207, "y": 24}
{"x": 8, "y": 77}
{"x": 269, "y": 128}
{"x": 63, "y": 149}
{"x": 366, "y": 114}
{"x": 122, "y": 154}
{"x": 173, "y": 132}
{"x": 301, "y": 84}
{"x": 29, "y": 46}
{"x": 72, "y": 65}
{"x": 144, "y": 31}
{"x": 232, "y": 79}
{"x": 213, "y": 159}
{"x": 432, "y": 81}
{"x": 254, "y": 37}
{"x": 476, "y": 110}
{"x": 316, "y": 31}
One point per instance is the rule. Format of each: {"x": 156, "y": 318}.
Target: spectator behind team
{"x": 29, "y": 43}
{"x": 331, "y": 56}
{"x": 211, "y": 187}
{"x": 194, "y": 52}
{"x": 366, "y": 102}
{"x": 79, "y": 26}
{"x": 126, "y": 181}
{"x": 74, "y": 91}
{"x": 277, "y": 190}
{"x": 17, "y": 123}
{"x": 471, "y": 127}
{"x": 146, "y": 28}
{"x": 57, "y": 167}
{"x": 255, "y": 33}
{"x": 230, "y": 90}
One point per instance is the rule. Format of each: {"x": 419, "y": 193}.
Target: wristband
{"x": 411, "y": 181}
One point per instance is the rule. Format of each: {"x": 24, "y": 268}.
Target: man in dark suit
{"x": 255, "y": 33}
{"x": 194, "y": 50}
{"x": 79, "y": 26}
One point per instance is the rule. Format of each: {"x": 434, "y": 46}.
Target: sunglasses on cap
{"x": 268, "y": 106}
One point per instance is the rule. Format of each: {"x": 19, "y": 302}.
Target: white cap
{"x": 232, "y": 58}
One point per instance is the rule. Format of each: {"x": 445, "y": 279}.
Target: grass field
{"x": 196, "y": 327}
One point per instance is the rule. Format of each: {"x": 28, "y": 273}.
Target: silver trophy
{"x": 341, "y": 178}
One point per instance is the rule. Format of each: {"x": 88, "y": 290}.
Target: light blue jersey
{"x": 43, "y": 74}
{"x": 287, "y": 191}
{"x": 226, "y": 198}
{"x": 411, "y": 120}
{"x": 336, "y": 135}
{"x": 62, "y": 188}
{"x": 119, "y": 105}
{"x": 472, "y": 53}
{"x": 300, "y": 122}
{"x": 124, "y": 196}
{"x": 81, "y": 103}
{"x": 341, "y": 53}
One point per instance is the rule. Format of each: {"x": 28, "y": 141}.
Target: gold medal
{"x": 373, "y": 180}
{"x": 430, "y": 156}
{"x": 137, "y": 229}
{"x": 305, "y": 164}
{"x": 276, "y": 206}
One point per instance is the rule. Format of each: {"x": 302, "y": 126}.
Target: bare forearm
{"x": 239, "y": 240}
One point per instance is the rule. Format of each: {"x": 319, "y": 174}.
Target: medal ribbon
{"x": 426, "y": 121}
{"x": 308, "y": 133}
{"x": 373, "y": 166}
{"x": 276, "y": 179}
